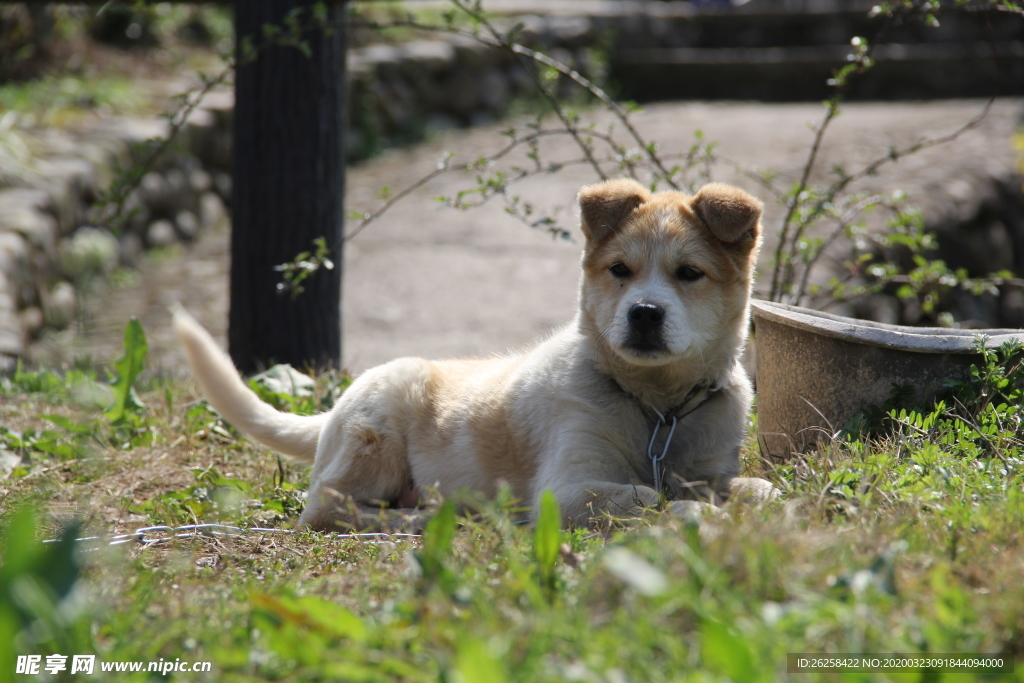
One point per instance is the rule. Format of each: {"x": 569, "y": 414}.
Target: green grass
{"x": 50, "y": 96}
{"x": 907, "y": 541}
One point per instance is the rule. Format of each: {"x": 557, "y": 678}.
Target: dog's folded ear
{"x": 605, "y": 205}
{"x": 730, "y": 213}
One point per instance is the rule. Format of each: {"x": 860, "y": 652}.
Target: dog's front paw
{"x": 751, "y": 491}
{"x": 696, "y": 511}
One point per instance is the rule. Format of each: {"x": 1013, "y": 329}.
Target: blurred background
{"x": 721, "y": 90}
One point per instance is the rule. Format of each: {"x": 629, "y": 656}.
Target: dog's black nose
{"x": 646, "y": 316}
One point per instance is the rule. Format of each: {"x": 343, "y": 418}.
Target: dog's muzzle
{"x": 646, "y": 325}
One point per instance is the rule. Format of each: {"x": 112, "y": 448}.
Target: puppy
{"x": 642, "y": 389}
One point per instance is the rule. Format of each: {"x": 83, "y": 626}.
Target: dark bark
{"x": 288, "y": 190}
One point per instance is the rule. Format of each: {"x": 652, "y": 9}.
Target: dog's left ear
{"x": 605, "y": 205}
{"x": 731, "y": 214}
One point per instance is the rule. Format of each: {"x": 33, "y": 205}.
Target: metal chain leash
{"x": 149, "y": 536}
{"x": 654, "y": 457}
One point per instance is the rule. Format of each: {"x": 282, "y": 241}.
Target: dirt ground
{"x": 431, "y": 281}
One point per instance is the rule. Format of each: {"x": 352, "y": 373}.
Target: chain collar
{"x": 701, "y": 393}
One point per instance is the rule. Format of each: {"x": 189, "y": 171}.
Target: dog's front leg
{"x": 582, "y": 503}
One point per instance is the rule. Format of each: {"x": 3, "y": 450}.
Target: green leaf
{"x": 547, "y": 537}
{"x": 35, "y": 576}
{"x": 477, "y": 664}
{"x": 726, "y": 653}
{"x": 128, "y": 367}
{"x": 68, "y": 425}
{"x": 313, "y": 614}
{"x": 20, "y": 546}
{"x": 437, "y": 542}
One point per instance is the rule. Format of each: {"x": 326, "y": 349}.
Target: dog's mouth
{"x": 645, "y": 342}
{"x": 645, "y": 349}
{"x": 642, "y": 347}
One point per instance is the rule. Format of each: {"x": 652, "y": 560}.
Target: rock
{"x": 202, "y": 118}
{"x": 187, "y": 224}
{"x": 12, "y": 337}
{"x": 35, "y": 198}
{"x": 472, "y": 54}
{"x": 130, "y": 248}
{"x": 459, "y": 94}
{"x": 32, "y": 320}
{"x": 8, "y": 304}
{"x": 212, "y": 212}
{"x": 442, "y": 122}
{"x": 481, "y": 118}
{"x": 59, "y": 307}
{"x": 200, "y": 180}
{"x": 493, "y": 89}
{"x": 135, "y": 132}
{"x": 154, "y": 191}
{"x": 17, "y": 265}
{"x": 72, "y": 183}
{"x": 219, "y": 151}
{"x": 397, "y": 102}
{"x": 106, "y": 155}
{"x": 161, "y": 233}
{"x": 180, "y": 190}
{"x": 384, "y": 61}
{"x": 570, "y": 31}
{"x": 432, "y": 56}
{"x": 89, "y": 252}
{"x": 38, "y": 228}
{"x": 222, "y": 185}
{"x": 222, "y": 104}
{"x": 533, "y": 29}
{"x": 519, "y": 80}
{"x": 8, "y": 461}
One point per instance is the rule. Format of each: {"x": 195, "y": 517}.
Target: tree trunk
{"x": 289, "y": 177}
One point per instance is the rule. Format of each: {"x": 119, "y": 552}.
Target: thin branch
{"x": 819, "y": 134}
{"x": 495, "y": 40}
{"x": 842, "y": 223}
{"x": 368, "y": 218}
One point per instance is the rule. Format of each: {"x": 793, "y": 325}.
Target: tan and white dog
{"x": 655, "y": 348}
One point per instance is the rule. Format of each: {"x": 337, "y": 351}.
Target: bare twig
{"x": 496, "y": 40}
{"x": 794, "y": 201}
{"x": 842, "y": 224}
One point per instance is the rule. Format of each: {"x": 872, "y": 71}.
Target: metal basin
{"x": 815, "y": 371}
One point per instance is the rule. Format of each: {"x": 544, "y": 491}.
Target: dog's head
{"x": 667, "y": 276}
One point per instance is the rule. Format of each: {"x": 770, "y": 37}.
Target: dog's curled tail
{"x": 294, "y": 435}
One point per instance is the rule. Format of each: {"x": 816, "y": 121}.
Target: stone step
{"x": 901, "y": 71}
{"x": 758, "y": 23}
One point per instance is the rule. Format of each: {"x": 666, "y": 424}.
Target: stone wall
{"x": 48, "y": 244}
{"x": 400, "y": 93}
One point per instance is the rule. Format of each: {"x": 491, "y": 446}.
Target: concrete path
{"x": 431, "y": 281}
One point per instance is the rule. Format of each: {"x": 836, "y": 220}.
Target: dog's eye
{"x": 689, "y": 273}
{"x": 620, "y": 269}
